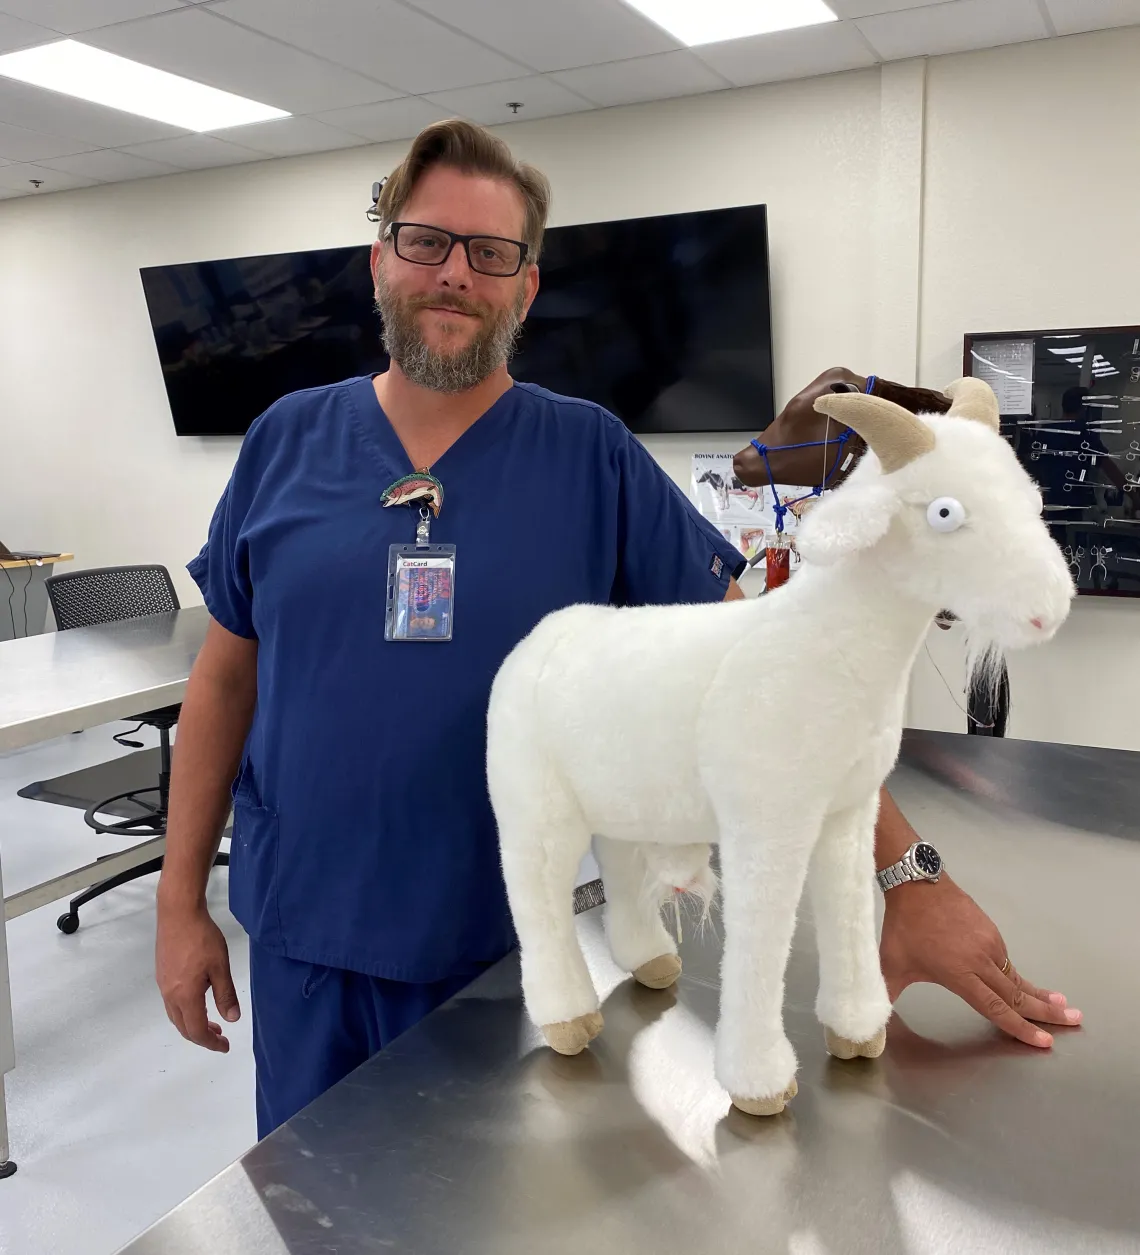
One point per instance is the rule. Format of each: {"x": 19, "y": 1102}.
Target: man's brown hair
{"x": 471, "y": 149}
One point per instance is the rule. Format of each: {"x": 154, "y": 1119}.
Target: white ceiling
{"x": 359, "y": 71}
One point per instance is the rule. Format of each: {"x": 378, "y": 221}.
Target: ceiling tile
{"x": 959, "y": 26}
{"x": 540, "y": 97}
{"x": 56, "y": 114}
{"x": 391, "y": 119}
{"x": 17, "y": 143}
{"x": 196, "y": 43}
{"x": 646, "y": 78}
{"x": 108, "y": 166}
{"x": 195, "y": 152}
{"x": 380, "y": 38}
{"x": 15, "y": 34}
{"x": 70, "y": 16}
{"x": 555, "y": 36}
{"x": 788, "y": 54}
{"x": 16, "y": 178}
{"x": 286, "y": 137}
{"x": 1071, "y": 16}
{"x": 865, "y": 8}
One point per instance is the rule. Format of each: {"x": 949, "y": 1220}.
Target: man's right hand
{"x": 191, "y": 957}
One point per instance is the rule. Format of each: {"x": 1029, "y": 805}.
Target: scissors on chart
{"x": 1104, "y": 453}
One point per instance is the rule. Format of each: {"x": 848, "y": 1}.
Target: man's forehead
{"x": 466, "y": 203}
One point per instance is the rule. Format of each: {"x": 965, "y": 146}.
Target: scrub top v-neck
{"x": 363, "y": 834}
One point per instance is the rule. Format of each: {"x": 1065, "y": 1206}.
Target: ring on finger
{"x": 1005, "y": 966}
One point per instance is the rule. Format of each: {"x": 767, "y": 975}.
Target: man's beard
{"x": 491, "y": 347}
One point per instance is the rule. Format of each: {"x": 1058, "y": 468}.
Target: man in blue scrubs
{"x": 364, "y": 860}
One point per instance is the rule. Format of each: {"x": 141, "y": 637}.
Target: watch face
{"x": 927, "y": 859}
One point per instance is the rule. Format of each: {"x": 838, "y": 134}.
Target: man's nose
{"x": 455, "y": 271}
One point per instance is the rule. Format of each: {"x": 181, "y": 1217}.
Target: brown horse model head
{"x": 798, "y": 423}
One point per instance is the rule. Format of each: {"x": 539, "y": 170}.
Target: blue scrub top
{"x": 363, "y": 834}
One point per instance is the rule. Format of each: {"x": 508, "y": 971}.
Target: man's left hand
{"x": 937, "y": 933}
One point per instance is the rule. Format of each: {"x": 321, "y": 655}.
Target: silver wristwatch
{"x": 921, "y": 862}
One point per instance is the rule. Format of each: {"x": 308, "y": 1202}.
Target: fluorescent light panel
{"x": 76, "y": 69}
{"x": 696, "y": 22}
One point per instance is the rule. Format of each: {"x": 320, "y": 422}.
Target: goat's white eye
{"x": 946, "y": 514}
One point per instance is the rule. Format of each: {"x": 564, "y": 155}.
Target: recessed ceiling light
{"x": 76, "y": 69}
{"x": 696, "y": 22}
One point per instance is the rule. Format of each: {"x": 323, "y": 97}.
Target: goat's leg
{"x": 853, "y": 1004}
{"x": 541, "y": 854}
{"x": 762, "y": 879}
{"x": 638, "y": 939}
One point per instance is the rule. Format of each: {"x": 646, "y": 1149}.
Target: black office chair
{"x": 106, "y": 595}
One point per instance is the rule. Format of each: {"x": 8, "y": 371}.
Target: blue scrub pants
{"x": 314, "y": 1025}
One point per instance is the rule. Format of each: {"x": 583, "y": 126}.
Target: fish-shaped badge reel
{"x": 421, "y": 576}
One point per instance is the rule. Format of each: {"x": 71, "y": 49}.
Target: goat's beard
{"x": 985, "y": 672}
{"x": 429, "y": 368}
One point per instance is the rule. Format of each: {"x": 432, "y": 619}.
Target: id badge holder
{"x": 421, "y": 589}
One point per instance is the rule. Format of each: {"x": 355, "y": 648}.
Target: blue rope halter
{"x": 841, "y": 440}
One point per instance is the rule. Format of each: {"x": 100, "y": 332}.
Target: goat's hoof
{"x": 659, "y": 973}
{"x": 571, "y": 1037}
{"x": 844, "y": 1048}
{"x": 767, "y": 1106}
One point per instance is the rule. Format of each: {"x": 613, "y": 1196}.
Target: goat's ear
{"x": 850, "y": 520}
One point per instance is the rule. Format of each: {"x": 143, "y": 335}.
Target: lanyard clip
{"x": 423, "y": 528}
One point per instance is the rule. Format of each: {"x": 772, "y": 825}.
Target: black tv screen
{"x": 666, "y": 321}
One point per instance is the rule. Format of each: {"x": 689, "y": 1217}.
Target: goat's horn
{"x": 894, "y": 434}
{"x": 974, "y": 399}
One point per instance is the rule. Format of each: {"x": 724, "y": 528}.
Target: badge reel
{"x": 421, "y": 577}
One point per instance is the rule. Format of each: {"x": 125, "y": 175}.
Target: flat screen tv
{"x": 664, "y": 320}
{"x": 1070, "y": 406}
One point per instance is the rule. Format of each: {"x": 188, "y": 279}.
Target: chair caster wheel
{"x": 7, "y": 1170}
{"x": 68, "y": 923}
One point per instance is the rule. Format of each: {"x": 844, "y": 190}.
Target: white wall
{"x": 1032, "y": 220}
{"x": 868, "y": 269}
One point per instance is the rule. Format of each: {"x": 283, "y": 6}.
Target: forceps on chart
{"x": 1078, "y": 481}
{"x": 1133, "y": 451}
{"x": 1073, "y": 558}
{"x": 1130, "y": 484}
{"x": 1099, "y": 553}
{"x": 1041, "y": 449}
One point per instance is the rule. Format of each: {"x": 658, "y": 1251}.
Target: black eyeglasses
{"x": 431, "y": 246}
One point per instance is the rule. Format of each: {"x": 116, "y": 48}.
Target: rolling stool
{"x": 106, "y": 595}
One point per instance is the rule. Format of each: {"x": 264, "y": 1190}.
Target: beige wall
{"x": 907, "y": 206}
{"x": 1032, "y": 219}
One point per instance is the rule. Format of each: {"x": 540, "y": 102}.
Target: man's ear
{"x": 374, "y": 259}
{"x": 853, "y": 518}
{"x": 530, "y": 290}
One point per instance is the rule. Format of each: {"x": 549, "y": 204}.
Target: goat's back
{"x": 609, "y": 699}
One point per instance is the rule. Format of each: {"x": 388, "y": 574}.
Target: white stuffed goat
{"x": 766, "y": 725}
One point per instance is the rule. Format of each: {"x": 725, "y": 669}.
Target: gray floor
{"x": 115, "y": 1119}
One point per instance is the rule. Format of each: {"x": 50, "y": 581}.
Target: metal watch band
{"x": 897, "y": 874}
